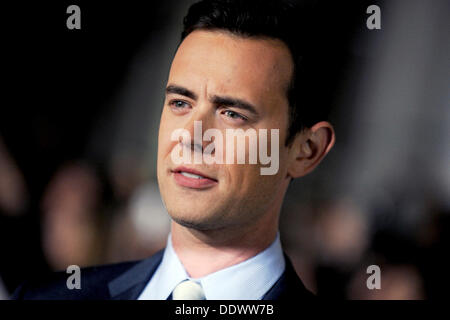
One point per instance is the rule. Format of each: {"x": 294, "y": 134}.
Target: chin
{"x": 197, "y": 218}
{"x": 193, "y": 224}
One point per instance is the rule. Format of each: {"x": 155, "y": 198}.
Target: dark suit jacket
{"x": 125, "y": 281}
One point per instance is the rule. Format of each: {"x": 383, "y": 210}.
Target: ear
{"x": 309, "y": 148}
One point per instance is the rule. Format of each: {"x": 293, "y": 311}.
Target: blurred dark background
{"x": 78, "y": 137}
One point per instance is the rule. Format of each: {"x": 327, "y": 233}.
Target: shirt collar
{"x": 248, "y": 280}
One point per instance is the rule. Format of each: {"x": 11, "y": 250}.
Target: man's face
{"x": 209, "y": 70}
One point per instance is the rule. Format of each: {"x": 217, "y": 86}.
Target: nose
{"x": 201, "y": 120}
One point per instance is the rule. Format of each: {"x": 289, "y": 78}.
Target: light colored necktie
{"x": 188, "y": 290}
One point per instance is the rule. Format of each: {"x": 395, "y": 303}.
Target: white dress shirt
{"x": 247, "y": 280}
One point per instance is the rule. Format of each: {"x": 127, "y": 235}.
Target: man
{"x": 238, "y": 66}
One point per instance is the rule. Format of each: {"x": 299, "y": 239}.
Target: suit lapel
{"x": 289, "y": 286}
{"x": 131, "y": 283}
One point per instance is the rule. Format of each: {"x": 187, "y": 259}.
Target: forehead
{"x": 218, "y": 61}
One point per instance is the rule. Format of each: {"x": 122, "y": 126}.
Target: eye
{"x": 178, "y": 104}
{"x": 234, "y": 115}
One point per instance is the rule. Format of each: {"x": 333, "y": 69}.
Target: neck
{"x": 204, "y": 252}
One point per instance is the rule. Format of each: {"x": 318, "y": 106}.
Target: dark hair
{"x": 268, "y": 19}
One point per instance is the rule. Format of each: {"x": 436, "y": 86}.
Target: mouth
{"x": 194, "y": 179}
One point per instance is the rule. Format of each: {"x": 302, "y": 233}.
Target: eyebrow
{"x": 217, "y": 100}
{"x": 181, "y": 91}
{"x": 236, "y": 103}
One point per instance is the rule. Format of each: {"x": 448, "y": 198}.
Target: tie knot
{"x": 188, "y": 290}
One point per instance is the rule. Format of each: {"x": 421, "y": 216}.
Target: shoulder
{"x": 96, "y": 283}
{"x": 289, "y": 286}
{"x": 93, "y": 280}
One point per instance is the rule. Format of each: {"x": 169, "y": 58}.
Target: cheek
{"x": 165, "y": 143}
{"x": 283, "y": 161}
{"x": 248, "y": 178}
{"x": 242, "y": 179}
{"x": 249, "y": 190}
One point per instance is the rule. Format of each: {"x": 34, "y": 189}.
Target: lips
{"x": 191, "y": 178}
